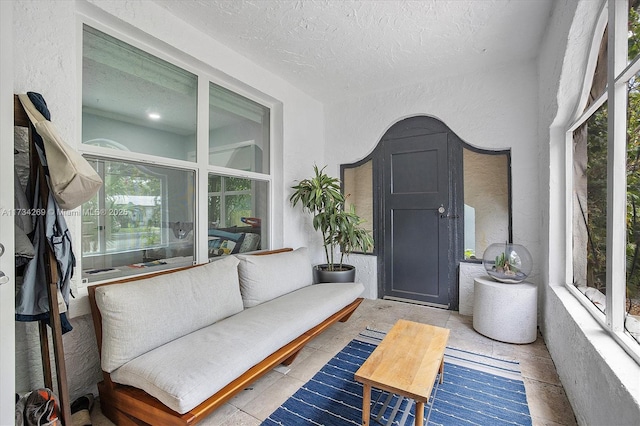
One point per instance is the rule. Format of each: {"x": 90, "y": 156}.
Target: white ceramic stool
{"x": 505, "y": 312}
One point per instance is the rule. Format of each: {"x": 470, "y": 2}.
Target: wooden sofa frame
{"x": 126, "y": 405}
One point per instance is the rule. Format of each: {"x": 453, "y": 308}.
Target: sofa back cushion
{"x": 263, "y": 278}
{"x": 142, "y": 315}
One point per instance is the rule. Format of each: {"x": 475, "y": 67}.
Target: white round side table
{"x": 505, "y": 312}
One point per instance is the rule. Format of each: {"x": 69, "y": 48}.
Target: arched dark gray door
{"x": 416, "y": 210}
{"x": 417, "y": 207}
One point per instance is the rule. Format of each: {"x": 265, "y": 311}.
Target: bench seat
{"x": 186, "y": 371}
{"x": 177, "y": 345}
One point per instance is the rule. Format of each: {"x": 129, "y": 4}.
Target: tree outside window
{"x": 591, "y": 144}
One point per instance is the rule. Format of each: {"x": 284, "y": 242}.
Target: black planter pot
{"x": 346, "y": 275}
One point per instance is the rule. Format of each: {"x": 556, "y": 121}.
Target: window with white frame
{"x": 238, "y": 131}
{"x": 236, "y": 208}
{"x": 141, "y": 132}
{"x": 606, "y": 181}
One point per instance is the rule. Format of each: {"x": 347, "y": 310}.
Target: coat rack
{"x": 22, "y": 120}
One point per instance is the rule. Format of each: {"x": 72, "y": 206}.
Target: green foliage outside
{"x": 124, "y": 179}
{"x": 597, "y": 199}
{"x": 597, "y": 182}
{"x": 633, "y": 165}
{"x": 236, "y": 205}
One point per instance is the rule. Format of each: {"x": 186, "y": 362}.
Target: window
{"x": 236, "y": 209}
{"x": 141, "y": 132}
{"x": 238, "y": 131}
{"x": 632, "y": 304}
{"x": 358, "y": 192}
{"x": 590, "y": 202}
{"x": 141, "y": 217}
{"x": 134, "y": 101}
{"x": 606, "y": 183}
{"x": 487, "y": 205}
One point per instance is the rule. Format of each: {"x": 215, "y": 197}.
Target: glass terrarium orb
{"x": 507, "y": 262}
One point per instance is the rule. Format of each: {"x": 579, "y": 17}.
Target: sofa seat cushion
{"x": 142, "y": 315}
{"x": 187, "y": 371}
{"x": 263, "y": 278}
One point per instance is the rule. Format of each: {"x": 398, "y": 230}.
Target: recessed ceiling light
{"x": 154, "y": 116}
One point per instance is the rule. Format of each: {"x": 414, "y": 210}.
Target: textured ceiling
{"x": 335, "y": 49}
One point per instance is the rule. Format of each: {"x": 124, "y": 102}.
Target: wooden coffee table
{"x": 406, "y": 363}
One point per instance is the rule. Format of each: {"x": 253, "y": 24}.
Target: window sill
{"x": 605, "y": 369}
{"x": 596, "y": 309}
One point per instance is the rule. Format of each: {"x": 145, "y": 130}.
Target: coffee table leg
{"x": 366, "y": 404}
{"x": 419, "y": 413}
{"x": 442, "y": 371}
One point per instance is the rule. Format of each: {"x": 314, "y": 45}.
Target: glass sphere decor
{"x": 507, "y": 262}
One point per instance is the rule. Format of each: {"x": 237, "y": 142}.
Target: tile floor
{"x": 548, "y": 403}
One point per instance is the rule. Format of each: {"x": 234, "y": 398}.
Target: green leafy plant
{"x": 504, "y": 265}
{"x": 320, "y": 196}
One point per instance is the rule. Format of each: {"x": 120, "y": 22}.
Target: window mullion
{"x": 632, "y": 69}
{"x": 202, "y": 159}
{"x": 568, "y": 220}
{"x": 100, "y": 219}
{"x": 616, "y": 167}
{"x": 223, "y": 202}
{"x": 595, "y": 105}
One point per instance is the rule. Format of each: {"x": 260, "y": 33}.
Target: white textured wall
{"x": 493, "y": 110}
{"x": 601, "y": 381}
{"x": 467, "y": 273}
{"x": 46, "y": 59}
{"x": 7, "y": 290}
{"x": 81, "y": 357}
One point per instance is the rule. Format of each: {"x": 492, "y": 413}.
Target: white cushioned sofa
{"x": 175, "y": 346}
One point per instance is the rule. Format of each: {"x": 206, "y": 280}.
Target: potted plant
{"x": 507, "y": 262}
{"x": 320, "y": 195}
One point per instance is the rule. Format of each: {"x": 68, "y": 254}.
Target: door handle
{"x": 449, "y": 216}
{"x": 441, "y": 210}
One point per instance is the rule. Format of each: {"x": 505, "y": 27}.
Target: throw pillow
{"x": 133, "y": 313}
{"x": 265, "y": 277}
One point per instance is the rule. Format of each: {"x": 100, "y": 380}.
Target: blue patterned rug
{"x": 477, "y": 390}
